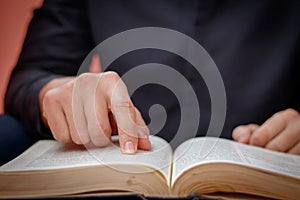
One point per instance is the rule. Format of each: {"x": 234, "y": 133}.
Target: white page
{"x": 50, "y": 154}
{"x": 209, "y": 149}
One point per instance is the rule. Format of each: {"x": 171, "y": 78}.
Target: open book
{"x": 206, "y": 166}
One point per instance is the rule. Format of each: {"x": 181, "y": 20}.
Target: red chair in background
{"x": 15, "y": 16}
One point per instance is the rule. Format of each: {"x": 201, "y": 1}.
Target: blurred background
{"x": 15, "y": 16}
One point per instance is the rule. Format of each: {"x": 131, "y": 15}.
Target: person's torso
{"x": 255, "y": 45}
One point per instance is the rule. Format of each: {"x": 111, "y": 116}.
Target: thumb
{"x": 95, "y": 66}
{"x": 243, "y": 133}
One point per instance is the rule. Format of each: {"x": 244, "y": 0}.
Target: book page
{"x": 50, "y": 154}
{"x": 209, "y": 149}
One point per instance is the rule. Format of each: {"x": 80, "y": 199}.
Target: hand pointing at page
{"x": 89, "y": 108}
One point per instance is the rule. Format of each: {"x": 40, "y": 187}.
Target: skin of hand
{"x": 89, "y": 108}
{"x": 281, "y": 132}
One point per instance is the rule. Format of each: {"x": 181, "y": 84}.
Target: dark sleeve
{"x": 57, "y": 41}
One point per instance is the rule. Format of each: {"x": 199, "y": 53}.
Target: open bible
{"x": 206, "y": 166}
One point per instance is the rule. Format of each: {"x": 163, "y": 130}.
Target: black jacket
{"x": 255, "y": 45}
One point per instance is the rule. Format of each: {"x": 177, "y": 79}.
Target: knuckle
{"x": 57, "y": 96}
{"x": 111, "y": 76}
{"x": 110, "y": 84}
{"x": 84, "y": 79}
{"x": 287, "y": 114}
{"x": 291, "y": 113}
{"x": 124, "y": 103}
{"x": 51, "y": 97}
{"x": 259, "y": 138}
{"x": 126, "y": 108}
{"x": 68, "y": 86}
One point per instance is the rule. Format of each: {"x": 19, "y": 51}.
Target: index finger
{"x": 143, "y": 132}
{"x": 123, "y": 110}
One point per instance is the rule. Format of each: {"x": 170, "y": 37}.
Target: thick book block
{"x": 210, "y": 167}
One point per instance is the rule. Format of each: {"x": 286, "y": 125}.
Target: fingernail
{"x": 129, "y": 147}
{"x": 142, "y": 134}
